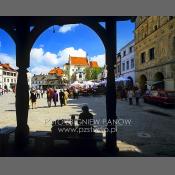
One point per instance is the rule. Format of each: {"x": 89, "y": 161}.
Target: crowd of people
{"x": 53, "y": 95}
{"x": 4, "y": 91}
{"x": 61, "y": 96}
{"x": 129, "y": 94}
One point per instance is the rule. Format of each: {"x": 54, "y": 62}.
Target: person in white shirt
{"x": 130, "y": 96}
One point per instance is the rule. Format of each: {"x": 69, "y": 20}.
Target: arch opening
{"x": 131, "y": 82}
{"x": 143, "y": 82}
{"x": 8, "y": 79}
{"x": 159, "y": 81}
{"x": 56, "y": 58}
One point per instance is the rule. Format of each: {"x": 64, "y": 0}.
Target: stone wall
{"x": 156, "y": 32}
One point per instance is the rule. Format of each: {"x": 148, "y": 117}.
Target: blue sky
{"x": 53, "y": 48}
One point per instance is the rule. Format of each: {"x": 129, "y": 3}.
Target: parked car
{"x": 161, "y": 98}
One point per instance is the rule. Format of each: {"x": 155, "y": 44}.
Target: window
{"x": 80, "y": 75}
{"x": 4, "y": 73}
{"x": 143, "y": 57}
{"x": 124, "y": 53}
{"x": 4, "y": 79}
{"x": 155, "y": 27}
{"x": 132, "y": 63}
{"x": 171, "y": 17}
{"x": 7, "y": 80}
{"x": 72, "y": 69}
{"x": 127, "y": 65}
{"x": 11, "y": 80}
{"x": 15, "y": 74}
{"x": 123, "y": 66}
{"x": 151, "y": 53}
{"x": 131, "y": 49}
{"x": 8, "y": 73}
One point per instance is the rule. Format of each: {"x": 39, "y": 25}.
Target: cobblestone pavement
{"x": 151, "y": 130}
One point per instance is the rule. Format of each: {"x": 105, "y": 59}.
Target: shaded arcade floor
{"x": 70, "y": 149}
{"x": 67, "y": 149}
{"x": 151, "y": 133}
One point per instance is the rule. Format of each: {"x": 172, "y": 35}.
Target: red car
{"x": 161, "y": 98}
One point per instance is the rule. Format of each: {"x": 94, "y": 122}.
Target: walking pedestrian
{"x": 55, "y": 97}
{"x": 49, "y": 96}
{"x": 76, "y": 93}
{"x": 38, "y": 93}
{"x": 33, "y": 98}
{"x": 42, "y": 93}
{"x": 66, "y": 96}
{"x": 137, "y": 96}
{"x": 61, "y": 95}
{"x": 130, "y": 96}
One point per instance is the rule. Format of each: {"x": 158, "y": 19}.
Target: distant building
{"x": 38, "y": 81}
{"x": 75, "y": 68}
{"x": 103, "y": 74}
{"x": 58, "y": 71}
{"x": 8, "y": 76}
{"x": 29, "y": 78}
{"x": 125, "y": 64}
{"x": 93, "y": 64}
{"x": 118, "y": 65}
{"x": 53, "y": 79}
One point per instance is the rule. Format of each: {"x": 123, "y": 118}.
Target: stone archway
{"x": 25, "y": 31}
{"x": 143, "y": 82}
{"x": 131, "y": 83}
{"x": 108, "y": 38}
{"x": 41, "y": 27}
{"x": 159, "y": 80}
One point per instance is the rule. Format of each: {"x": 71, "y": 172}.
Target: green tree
{"x": 88, "y": 73}
{"x": 95, "y": 72}
{"x": 73, "y": 77}
{"x": 66, "y": 73}
{"x": 92, "y": 73}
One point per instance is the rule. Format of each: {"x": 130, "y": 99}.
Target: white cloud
{"x": 39, "y": 56}
{"x": 5, "y": 58}
{"x": 67, "y": 28}
{"x": 47, "y": 60}
{"x": 40, "y": 69}
{"x": 100, "y": 59}
{"x": 41, "y": 45}
{"x": 64, "y": 54}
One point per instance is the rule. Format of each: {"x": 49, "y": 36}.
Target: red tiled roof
{"x": 83, "y": 61}
{"x": 93, "y": 64}
{"x": 57, "y": 71}
{"x": 7, "y": 66}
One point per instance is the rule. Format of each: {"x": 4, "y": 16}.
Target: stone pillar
{"x": 22, "y": 89}
{"x": 22, "y": 104}
{"x": 111, "y": 135}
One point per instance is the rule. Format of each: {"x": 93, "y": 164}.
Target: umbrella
{"x": 121, "y": 79}
{"x": 76, "y": 84}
